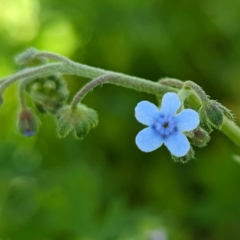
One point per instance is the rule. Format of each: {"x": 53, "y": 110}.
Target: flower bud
{"x": 214, "y": 114}
{"x": 211, "y": 115}
{"x": 28, "y": 124}
{"x": 36, "y": 87}
{"x": 49, "y": 86}
{"x": 204, "y": 123}
{"x": 199, "y": 137}
{"x": 226, "y": 112}
{"x": 80, "y": 120}
{"x": 49, "y": 94}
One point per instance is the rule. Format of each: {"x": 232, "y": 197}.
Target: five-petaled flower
{"x": 165, "y": 125}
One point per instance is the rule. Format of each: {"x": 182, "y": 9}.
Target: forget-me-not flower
{"x": 165, "y": 126}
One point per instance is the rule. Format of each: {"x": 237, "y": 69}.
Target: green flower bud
{"x": 190, "y": 155}
{"x": 199, "y": 137}
{"x": 80, "y": 120}
{"x": 28, "y": 124}
{"x": 204, "y": 123}
{"x": 226, "y": 112}
{"x": 36, "y": 87}
{"x": 212, "y": 113}
{"x": 49, "y": 94}
{"x": 49, "y": 86}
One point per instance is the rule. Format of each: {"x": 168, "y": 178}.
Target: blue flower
{"x": 165, "y": 126}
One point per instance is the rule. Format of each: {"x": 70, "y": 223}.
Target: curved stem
{"x": 82, "y": 70}
{"x": 172, "y": 82}
{"x": 89, "y": 86}
{"x": 199, "y": 91}
{"x": 67, "y": 66}
{"x": 30, "y": 74}
{"x": 53, "y": 56}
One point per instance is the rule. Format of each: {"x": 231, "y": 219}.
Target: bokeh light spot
{"x": 19, "y": 19}
{"x": 59, "y": 36}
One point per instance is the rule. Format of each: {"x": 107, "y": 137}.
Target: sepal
{"x": 80, "y": 120}
{"x": 184, "y": 159}
{"x": 199, "y": 137}
{"x": 214, "y": 113}
{"x": 211, "y": 115}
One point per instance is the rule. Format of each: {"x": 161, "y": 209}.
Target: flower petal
{"x": 147, "y": 140}
{"x": 177, "y": 144}
{"x": 187, "y": 120}
{"x": 146, "y": 112}
{"x": 170, "y": 104}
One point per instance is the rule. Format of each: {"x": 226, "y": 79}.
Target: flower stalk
{"x": 89, "y": 87}
{"x": 64, "y": 66}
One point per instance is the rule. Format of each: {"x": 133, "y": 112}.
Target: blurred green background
{"x": 103, "y": 187}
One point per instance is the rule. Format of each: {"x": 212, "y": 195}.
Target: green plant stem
{"x": 52, "y": 56}
{"x": 82, "y": 70}
{"x": 69, "y": 67}
{"x": 113, "y": 78}
{"x": 231, "y": 130}
{"x": 21, "y": 91}
{"x": 89, "y": 87}
{"x": 172, "y": 82}
{"x": 199, "y": 91}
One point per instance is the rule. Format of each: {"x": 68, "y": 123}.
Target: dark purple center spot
{"x": 165, "y": 125}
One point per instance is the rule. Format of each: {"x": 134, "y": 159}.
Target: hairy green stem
{"x": 172, "y": 82}
{"x": 199, "y": 91}
{"x": 67, "y": 66}
{"x": 82, "y": 70}
{"x": 89, "y": 87}
{"x": 231, "y": 130}
{"x": 52, "y": 56}
{"x": 21, "y": 91}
